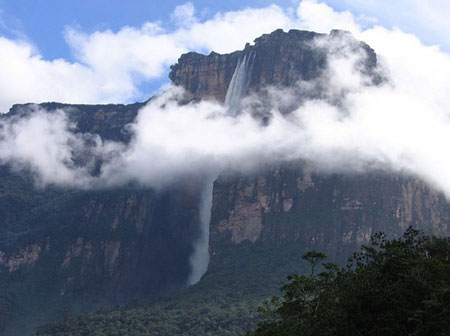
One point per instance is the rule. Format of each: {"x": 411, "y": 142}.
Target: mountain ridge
{"x": 84, "y": 250}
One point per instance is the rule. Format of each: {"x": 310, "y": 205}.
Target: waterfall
{"x": 239, "y": 83}
{"x": 199, "y": 259}
{"x": 237, "y": 89}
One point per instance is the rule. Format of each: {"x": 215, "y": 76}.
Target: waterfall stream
{"x": 237, "y": 89}
{"x": 239, "y": 83}
{"x": 200, "y": 257}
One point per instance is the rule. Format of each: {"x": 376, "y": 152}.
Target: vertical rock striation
{"x": 289, "y": 203}
{"x": 66, "y": 250}
{"x": 279, "y": 58}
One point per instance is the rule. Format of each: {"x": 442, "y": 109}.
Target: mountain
{"x": 64, "y": 251}
{"x": 279, "y": 58}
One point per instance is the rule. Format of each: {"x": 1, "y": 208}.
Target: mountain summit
{"x": 280, "y": 58}
{"x": 64, "y": 250}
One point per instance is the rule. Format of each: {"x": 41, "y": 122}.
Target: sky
{"x": 108, "y": 52}
{"x": 121, "y": 51}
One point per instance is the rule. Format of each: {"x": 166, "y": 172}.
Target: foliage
{"x": 392, "y": 287}
{"x": 224, "y": 302}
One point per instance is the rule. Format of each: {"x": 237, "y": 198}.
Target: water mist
{"x": 237, "y": 89}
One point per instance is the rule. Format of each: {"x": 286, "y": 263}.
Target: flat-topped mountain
{"x": 69, "y": 250}
{"x": 278, "y": 58}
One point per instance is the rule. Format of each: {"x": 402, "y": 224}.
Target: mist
{"x": 401, "y": 125}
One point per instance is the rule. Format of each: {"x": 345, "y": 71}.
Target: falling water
{"x": 239, "y": 83}
{"x": 199, "y": 259}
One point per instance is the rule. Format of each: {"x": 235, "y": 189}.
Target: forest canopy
{"x": 390, "y": 287}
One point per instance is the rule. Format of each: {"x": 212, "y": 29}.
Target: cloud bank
{"x": 401, "y": 126}
{"x": 110, "y": 66}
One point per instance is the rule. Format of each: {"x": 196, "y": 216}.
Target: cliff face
{"x": 62, "y": 251}
{"x": 279, "y": 58}
{"x": 81, "y": 249}
{"x": 335, "y": 213}
{"x": 106, "y": 120}
{"x": 65, "y": 251}
{"x": 332, "y": 213}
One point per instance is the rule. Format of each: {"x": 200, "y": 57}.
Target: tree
{"x": 391, "y": 287}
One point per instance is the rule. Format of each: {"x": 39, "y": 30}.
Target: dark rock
{"x": 281, "y": 59}
{"x": 62, "y": 251}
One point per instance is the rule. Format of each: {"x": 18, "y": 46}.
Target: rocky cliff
{"x": 334, "y": 212}
{"x": 78, "y": 250}
{"x": 278, "y": 59}
{"x": 65, "y": 251}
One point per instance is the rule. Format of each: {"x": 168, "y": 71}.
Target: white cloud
{"x": 120, "y": 61}
{"x": 110, "y": 66}
{"x": 47, "y": 145}
{"x": 41, "y": 143}
{"x": 403, "y": 125}
{"x": 27, "y": 77}
{"x": 230, "y": 31}
{"x": 184, "y": 15}
{"x": 319, "y": 17}
{"x": 426, "y": 19}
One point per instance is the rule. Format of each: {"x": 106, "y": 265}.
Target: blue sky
{"x": 121, "y": 51}
{"x": 43, "y": 21}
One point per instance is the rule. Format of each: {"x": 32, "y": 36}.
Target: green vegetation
{"x": 391, "y": 287}
{"x": 225, "y": 302}
{"x": 397, "y": 287}
{"x": 189, "y": 316}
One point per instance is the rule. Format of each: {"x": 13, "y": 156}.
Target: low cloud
{"x": 401, "y": 125}
{"x": 48, "y": 146}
